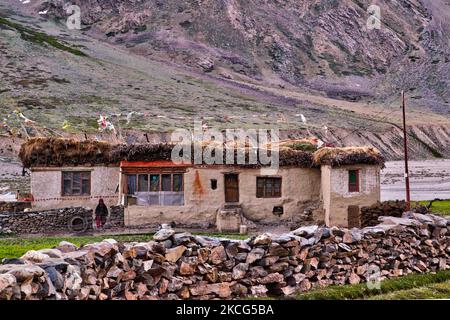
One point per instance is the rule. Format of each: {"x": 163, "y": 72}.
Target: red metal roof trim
{"x": 153, "y": 164}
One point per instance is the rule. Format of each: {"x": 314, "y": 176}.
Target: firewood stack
{"x": 185, "y": 266}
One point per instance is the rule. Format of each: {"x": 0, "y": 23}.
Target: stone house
{"x": 329, "y": 185}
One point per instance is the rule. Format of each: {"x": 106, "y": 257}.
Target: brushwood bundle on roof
{"x": 154, "y": 152}
{"x": 48, "y": 152}
{"x": 63, "y": 152}
{"x": 142, "y": 152}
{"x": 336, "y": 157}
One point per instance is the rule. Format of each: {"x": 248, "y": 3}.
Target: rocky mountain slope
{"x": 323, "y": 45}
{"x": 232, "y": 63}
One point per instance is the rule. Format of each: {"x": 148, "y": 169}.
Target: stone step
{"x": 232, "y": 206}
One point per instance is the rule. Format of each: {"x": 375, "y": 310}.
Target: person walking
{"x": 101, "y": 213}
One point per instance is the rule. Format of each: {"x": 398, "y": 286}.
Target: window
{"x": 164, "y": 189}
{"x": 76, "y": 183}
{"x": 143, "y": 183}
{"x": 353, "y": 181}
{"x": 268, "y": 187}
{"x": 214, "y": 184}
{"x": 154, "y": 182}
{"x": 131, "y": 184}
{"x": 166, "y": 182}
{"x": 177, "y": 182}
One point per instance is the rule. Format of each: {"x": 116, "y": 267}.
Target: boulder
{"x": 65, "y": 246}
{"x": 218, "y": 255}
{"x": 240, "y": 270}
{"x": 272, "y": 278}
{"x": 163, "y": 234}
{"x": 305, "y": 231}
{"x": 7, "y": 280}
{"x": 187, "y": 269}
{"x": 222, "y": 290}
{"x": 174, "y": 254}
{"x": 35, "y": 256}
{"x": 206, "y": 64}
{"x": 275, "y": 249}
{"x": 255, "y": 255}
{"x": 258, "y": 291}
{"x": 262, "y": 239}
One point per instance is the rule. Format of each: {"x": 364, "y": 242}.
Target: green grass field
{"x": 15, "y": 247}
{"x": 431, "y": 291}
{"x": 439, "y": 207}
{"x": 414, "y": 286}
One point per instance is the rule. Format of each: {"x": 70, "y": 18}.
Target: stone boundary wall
{"x": 184, "y": 266}
{"x": 369, "y": 215}
{"x": 52, "y": 221}
{"x": 117, "y": 217}
{"x": 14, "y": 206}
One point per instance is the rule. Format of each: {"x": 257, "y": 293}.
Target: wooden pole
{"x": 405, "y": 143}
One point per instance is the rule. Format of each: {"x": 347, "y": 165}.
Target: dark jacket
{"x": 101, "y": 210}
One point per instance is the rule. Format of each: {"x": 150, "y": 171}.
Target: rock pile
{"x": 185, "y": 266}
{"x": 57, "y": 220}
{"x": 5, "y": 231}
{"x": 116, "y": 217}
{"x": 369, "y": 215}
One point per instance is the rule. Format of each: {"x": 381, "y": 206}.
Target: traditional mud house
{"x": 332, "y": 183}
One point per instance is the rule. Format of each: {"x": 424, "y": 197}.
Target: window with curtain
{"x": 165, "y": 189}
{"x": 131, "y": 184}
{"x": 143, "y": 185}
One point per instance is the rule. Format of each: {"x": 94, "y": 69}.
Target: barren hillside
{"x": 233, "y": 64}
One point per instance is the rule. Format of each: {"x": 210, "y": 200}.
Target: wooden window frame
{"x": 354, "y": 187}
{"x": 171, "y": 173}
{"x": 71, "y": 194}
{"x": 262, "y": 194}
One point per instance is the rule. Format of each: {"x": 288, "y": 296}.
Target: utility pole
{"x": 405, "y": 143}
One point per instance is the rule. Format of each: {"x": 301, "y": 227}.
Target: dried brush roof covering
{"x": 48, "y": 152}
{"x": 63, "y": 152}
{"x": 336, "y": 157}
{"x": 152, "y": 152}
{"x": 142, "y": 152}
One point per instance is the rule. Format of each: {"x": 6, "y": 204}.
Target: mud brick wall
{"x": 51, "y": 221}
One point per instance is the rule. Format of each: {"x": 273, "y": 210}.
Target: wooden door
{"x": 353, "y": 217}
{"x": 231, "y": 188}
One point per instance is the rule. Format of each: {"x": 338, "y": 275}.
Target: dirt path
{"x": 430, "y": 179}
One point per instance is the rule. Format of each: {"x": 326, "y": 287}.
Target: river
{"x": 429, "y": 179}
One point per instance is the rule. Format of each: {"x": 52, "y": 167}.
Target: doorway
{"x": 353, "y": 217}
{"x": 231, "y": 188}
